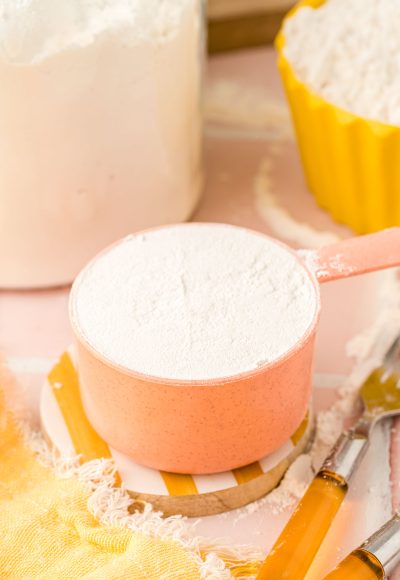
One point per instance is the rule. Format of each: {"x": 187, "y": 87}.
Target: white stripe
{"x": 275, "y": 458}
{"x": 30, "y": 365}
{"x": 215, "y": 482}
{"x": 137, "y": 477}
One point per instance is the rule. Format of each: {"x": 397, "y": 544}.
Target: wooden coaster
{"x": 69, "y": 431}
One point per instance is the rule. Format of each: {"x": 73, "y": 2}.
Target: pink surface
{"x": 34, "y": 325}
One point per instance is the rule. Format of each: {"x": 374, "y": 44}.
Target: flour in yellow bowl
{"x": 350, "y": 162}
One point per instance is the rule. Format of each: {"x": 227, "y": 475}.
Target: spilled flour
{"x": 279, "y": 219}
{"x": 235, "y": 111}
{"x": 249, "y": 111}
{"x": 232, "y": 110}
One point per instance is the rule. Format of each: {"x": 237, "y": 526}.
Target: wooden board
{"x": 238, "y": 32}
{"x": 237, "y": 24}
{"x": 229, "y": 8}
{"x": 68, "y": 429}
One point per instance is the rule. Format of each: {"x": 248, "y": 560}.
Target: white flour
{"x": 33, "y": 30}
{"x": 245, "y": 112}
{"x": 348, "y": 52}
{"x": 235, "y": 111}
{"x": 194, "y": 302}
{"x": 282, "y": 224}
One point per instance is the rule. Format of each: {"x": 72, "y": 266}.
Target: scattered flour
{"x": 248, "y": 113}
{"x": 194, "y": 302}
{"x": 348, "y": 52}
{"x": 279, "y": 220}
{"x": 294, "y": 484}
{"x": 323, "y": 269}
{"x": 246, "y": 109}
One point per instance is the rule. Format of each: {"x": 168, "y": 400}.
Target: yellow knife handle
{"x": 297, "y": 545}
{"x": 375, "y": 559}
{"x": 359, "y": 565}
{"x": 300, "y": 540}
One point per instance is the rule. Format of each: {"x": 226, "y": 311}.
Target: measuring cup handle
{"x": 357, "y": 255}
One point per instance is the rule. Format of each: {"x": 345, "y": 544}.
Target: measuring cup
{"x": 215, "y": 425}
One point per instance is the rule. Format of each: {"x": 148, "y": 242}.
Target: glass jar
{"x": 101, "y": 129}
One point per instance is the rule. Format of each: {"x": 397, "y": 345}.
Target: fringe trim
{"x": 111, "y": 506}
{"x": 216, "y": 559}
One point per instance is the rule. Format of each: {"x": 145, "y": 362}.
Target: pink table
{"x": 34, "y": 327}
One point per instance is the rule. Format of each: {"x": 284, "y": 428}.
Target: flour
{"x": 247, "y": 112}
{"x": 33, "y": 30}
{"x": 194, "y": 302}
{"x": 279, "y": 219}
{"x": 348, "y": 52}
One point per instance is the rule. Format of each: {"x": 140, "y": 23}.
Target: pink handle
{"x": 357, "y": 255}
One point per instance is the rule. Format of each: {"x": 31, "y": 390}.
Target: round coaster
{"x": 69, "y": 431}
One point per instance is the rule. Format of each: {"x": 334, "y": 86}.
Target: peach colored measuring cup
{"x": 211, "y": 426}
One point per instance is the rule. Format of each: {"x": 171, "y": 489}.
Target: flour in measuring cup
{"x": 194, "y": 302}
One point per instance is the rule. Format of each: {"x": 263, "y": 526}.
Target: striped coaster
{"x": 66, "y": 425}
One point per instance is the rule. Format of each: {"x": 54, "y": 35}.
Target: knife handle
{"x": 359, "y": 565}
{"x": 296, "y": 547}
{"x": 375, "y": 559}
{"x": 300, "y": 540}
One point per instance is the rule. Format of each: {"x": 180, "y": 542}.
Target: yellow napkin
{"x": 47, "y": 531}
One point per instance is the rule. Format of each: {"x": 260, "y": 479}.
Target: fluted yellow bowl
{"x": 351, "y": 164}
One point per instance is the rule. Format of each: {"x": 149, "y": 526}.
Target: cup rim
{"x": 219, "y": 381}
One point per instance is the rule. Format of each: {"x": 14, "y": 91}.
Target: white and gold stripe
{"x": 68, "y": 428}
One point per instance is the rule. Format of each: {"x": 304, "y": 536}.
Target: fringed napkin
{"x": 60, "y": 519}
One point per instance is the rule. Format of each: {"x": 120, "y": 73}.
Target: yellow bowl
{"x": 352, "y": 164}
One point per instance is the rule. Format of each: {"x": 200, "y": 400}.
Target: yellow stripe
{"x": 299, "y": 434}
{"x": 178, "y": 484}
{"x": 247, "y": 473}
{"x": 64, "y": 383}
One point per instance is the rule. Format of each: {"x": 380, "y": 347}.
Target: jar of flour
{"x": 100, "y": 128}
